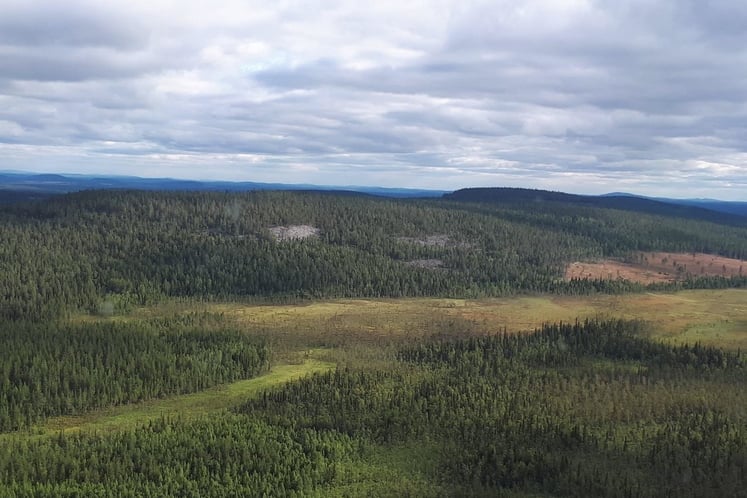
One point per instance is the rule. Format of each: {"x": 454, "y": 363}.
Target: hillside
{"x": 730, "y": 207}
{"x": 543, "y": 200}
{"x": 80, "y": 251}
{"x": 13, "y": 196}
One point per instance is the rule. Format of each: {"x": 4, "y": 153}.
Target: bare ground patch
{"x": 652, "y": 267}
{"x": 613, "y": 270}
{"x": 294, "y": 232}
{"x": 695, "y": 264}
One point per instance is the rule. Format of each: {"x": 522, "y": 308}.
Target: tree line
{"x": 56, "y": 369}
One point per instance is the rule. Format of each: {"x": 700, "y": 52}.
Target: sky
{"x": 580, "y": 96}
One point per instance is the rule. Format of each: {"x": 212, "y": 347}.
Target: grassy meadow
{"x": 711, "y": 317}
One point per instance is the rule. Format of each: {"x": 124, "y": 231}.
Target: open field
{"x": 653, "y": 267}
{"x": 714, "y": 317}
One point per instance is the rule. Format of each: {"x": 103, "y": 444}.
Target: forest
{"x": 154, "y": 344}
{"x": 581, "y": 409}
{"x": 110, "y": 250}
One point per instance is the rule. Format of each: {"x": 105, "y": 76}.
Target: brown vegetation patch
{"x": 294, "y": 232}
{"x": 652, "y": 267}
{"x": 613, "y": 270}
{"x": 694, "y": 264}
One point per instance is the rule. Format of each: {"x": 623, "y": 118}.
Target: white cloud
{"x": 583, "y": 95}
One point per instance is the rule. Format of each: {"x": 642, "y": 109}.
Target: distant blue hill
{"x": 621, "y": 201}
{"x": 730, "y": 207}
{"x": 17, "y": 186}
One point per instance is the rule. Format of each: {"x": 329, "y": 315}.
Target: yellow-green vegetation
{"x": 713, "y": 317}
{"x": 188, "y": 405}
{"x": 388, "y": 470}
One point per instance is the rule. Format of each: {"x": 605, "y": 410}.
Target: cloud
{"x": 70, "y": 24}
{"x": 580, "y": 95}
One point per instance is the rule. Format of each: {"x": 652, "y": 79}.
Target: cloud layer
{"x": 583, "y": 96}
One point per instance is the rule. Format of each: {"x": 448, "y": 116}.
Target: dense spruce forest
{"x": 584, "y": 409}
{"x": 54, "y": 369}
{"x": 116, "y": 249}
{"x": 114, "y": 305}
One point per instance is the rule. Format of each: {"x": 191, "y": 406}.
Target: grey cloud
{"x": 635, "y": 92}
{"x": 60, "y": 64}
{"x": 69, "y": 24}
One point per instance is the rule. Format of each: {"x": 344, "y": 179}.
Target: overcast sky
{"x": 582, "y": 96}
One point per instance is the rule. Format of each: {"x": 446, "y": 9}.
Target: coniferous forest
{"x": 597, "y": 407}
{"x": 126, "y": 248}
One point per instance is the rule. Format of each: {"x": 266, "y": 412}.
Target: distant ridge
{"x": 60, "y": 184}
{"x": 731, "y": 207}
{"x": 17, "y": 186}
{"x": 625, "y": 202}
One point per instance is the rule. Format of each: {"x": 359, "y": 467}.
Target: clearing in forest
{"x": 186, "y": 405}
{"x": 714, "y": 317}
{"x": 653, "y": 267}
{"x": 293, "y": 232}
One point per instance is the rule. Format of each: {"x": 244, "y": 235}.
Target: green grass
{"x": 187, "y": 406}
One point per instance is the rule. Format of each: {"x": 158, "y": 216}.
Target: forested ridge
{"x": 677, "y": 208}
{"x": 109, "y": 250}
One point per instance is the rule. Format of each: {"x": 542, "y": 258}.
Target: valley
{"x": 297, "y": 344}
